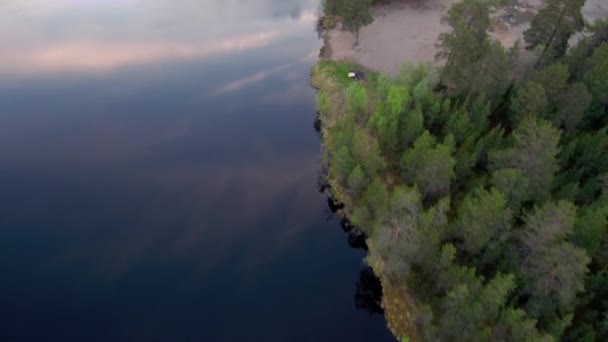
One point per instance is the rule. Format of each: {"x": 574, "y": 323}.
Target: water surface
{"x": 158, "y": 170}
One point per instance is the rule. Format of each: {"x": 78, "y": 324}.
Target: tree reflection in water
{"x": 368, "y": 293}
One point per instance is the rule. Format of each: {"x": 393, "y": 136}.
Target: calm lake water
{"x": 158, "y": 177}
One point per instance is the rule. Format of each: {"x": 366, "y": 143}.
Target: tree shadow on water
{"x": 356, "y": 237}
{"x": 368, "y": 295}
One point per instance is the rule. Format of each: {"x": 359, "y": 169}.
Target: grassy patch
{"x": 338, "y": 71}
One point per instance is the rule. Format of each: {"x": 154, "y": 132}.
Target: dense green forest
{"x": 485, "y": 200}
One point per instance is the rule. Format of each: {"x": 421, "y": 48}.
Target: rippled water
{"x": 158, "y": 169}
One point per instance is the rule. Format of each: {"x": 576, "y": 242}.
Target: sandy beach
{"x": 407, "y": 30}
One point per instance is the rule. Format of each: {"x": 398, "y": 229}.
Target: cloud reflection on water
{"x": 41, "y": 36}
{"x": 175, "y": 210}
{"x": 98, "y": 56}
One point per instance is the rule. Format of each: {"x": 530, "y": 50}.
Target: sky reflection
{"x": 41, "y": 36}
{"x": 158, "y": 167}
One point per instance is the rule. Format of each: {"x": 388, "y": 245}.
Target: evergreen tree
{"x": 513, "y": 184}
{"x": 596, "y": 79}
{"x": 376, "y": 197}
{"x": 590, "y": 228}
{"x": 343, "y": 163}
{"x": 413, "y": 125}
{"x": 554, "y": 80}
{"x": 356, "y": 97}
{"x": 483, "y": 220}
{"x": 553, "y": 268}
{"x": 332, "y": 7}
{"x": 553, "y": 26}
{"x": 474, "y": 63}
{"x": 488, "y": 207}
{"x": 356, "y": 14}
{"x": 323, "y": 104}
{"x": 529, "y": 101}
{"x": 534, "y": 151}
{"x": 429, "y": 165}
{"x": 572, "y": 106}
{"x": 582, "y": 160}
{"x": 356, "y": 181}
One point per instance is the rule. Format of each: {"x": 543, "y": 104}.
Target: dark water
{"x": 158, "y": 170}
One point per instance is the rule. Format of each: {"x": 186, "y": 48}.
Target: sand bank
{"x": 407, "y": 30}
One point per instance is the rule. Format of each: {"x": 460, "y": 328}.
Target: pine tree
{"x": 429, "y": 165}
{"x": 513, "y": 184}
{"x": 356, "y": 98}
{"x": 332, "y": 7}
{"x": 553, "y": 26}
{"x": 529, "y": 101}
{"x": 356, "y": 14}
{"x": 596, "y": 79}
{"x": 483, "y": 218}
{"x": 343, "y": 163}
{"x": 474, "y": 63}
{"x": 553, "y": 268}
{"x": 534, "y": 151}
{"x": 356, "y": 181}
{"x": 572, "y": 106}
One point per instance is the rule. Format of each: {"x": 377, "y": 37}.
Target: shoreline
{"x": 407, "y": 31}
{"x": 398, "y": 304}
{"x": 405, "y": 310}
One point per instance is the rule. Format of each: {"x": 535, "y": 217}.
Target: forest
{"x": 483, "y": 192}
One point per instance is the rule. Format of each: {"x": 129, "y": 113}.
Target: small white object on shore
{"x": 352, "y": 75}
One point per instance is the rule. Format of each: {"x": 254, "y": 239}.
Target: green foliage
{"x": 337, "y": 71}
{"x": 342, "y": 163}
{"x": 572, "y": 105}
{"x": 581, "y": 159}
{"x": 590, "y": 227}
{"x": 413, "y": 126}
{"x": 332, "y": 7}
{"x": 553, "y": 79}
{"x": 396, "y": 101}
{"x": 323, "y": 104}
{"x": 356, "y": 14}
{"x": 490, "y": 207}
{"x": 483, "y": 220}
{"x": 553, "y": 268}
{"x": 397, "y": 228}
{"x": 553, "y": 26}
{"x": 383, "y": 85}
{"x": 374, "y": 162}
{"x": 549, "y": 96}
{"x": 356, "y": 181}
{"x": 596, "y": 78}
{"x": 475, "y": 64}
{"x": 376, "y": 197}
{"x": 386, "y": 119}
{"x": 533, "y": 152}
{"x": 529, "y": 101}
{"x": 362, "y": 217}
{"x": 513, "y": 184}
{"x": 429, "y": 165}
{"x": 356, "y": 97}
{"x": 411, "y": 75}
{"x": 514, "y": 325}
